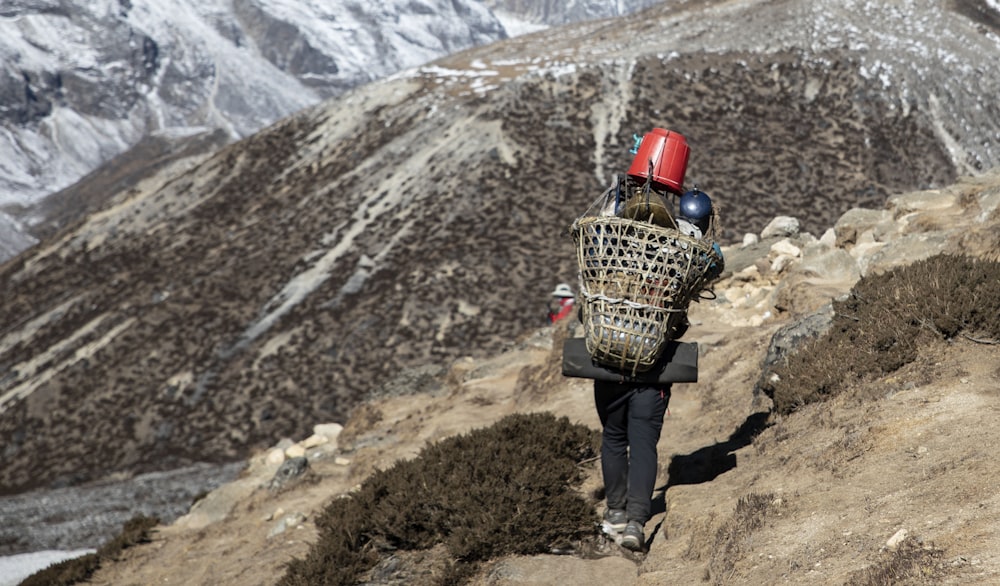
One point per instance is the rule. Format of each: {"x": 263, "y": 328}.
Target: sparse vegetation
{"x": 910, "y": 563}
{"x": 506, "y": 489}
{"x": 733, "y": 539}
{"x": 78, "y": 570}
{"x": 885, "y": 320}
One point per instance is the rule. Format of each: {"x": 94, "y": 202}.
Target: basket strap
{"x": 618, "y": 300}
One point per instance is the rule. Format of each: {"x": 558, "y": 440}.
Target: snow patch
{"x": 15, "y": 568}
{"x": 515, "y": 26}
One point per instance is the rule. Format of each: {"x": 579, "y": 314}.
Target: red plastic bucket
{"x": 666, "y": 152}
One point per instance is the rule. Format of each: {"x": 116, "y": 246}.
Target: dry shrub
{"x": 733, "y": 539}
{"x": 505, "y": 489}
{"x": 881, "y": 325}
{"x": 78, "y": 570}
{"x": 910, "y": 563}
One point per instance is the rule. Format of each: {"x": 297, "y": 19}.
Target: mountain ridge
{"x": 84, "y": 83}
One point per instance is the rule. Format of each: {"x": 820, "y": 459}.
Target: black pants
{"x": 632, "y": 417}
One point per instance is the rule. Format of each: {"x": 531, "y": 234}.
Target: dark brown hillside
{"x": 744, "y": 112}
{"x": 413, "y": 221}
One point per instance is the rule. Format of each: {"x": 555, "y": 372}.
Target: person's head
{"x": 696, "y": 207}
{"x": 562, "y": 290}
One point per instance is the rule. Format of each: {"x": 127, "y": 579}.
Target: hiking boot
{"x": 633, "y": 537}
{"x": 614, "y": 521}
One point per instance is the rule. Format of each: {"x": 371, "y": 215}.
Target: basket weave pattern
{"x": 636, "y": 281}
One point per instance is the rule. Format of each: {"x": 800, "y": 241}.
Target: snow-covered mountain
{"x": 13, "y": 237}
{"x": 81, "y": 82}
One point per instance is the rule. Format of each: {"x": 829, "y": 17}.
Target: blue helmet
{"x": 696, "y": 207}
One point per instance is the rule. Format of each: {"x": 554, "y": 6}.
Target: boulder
{"x": 856, "y": 221}
{"x": 292, "y": 469}
{"x": 786, "y": 248}
{"x": 904, "y": 251}
{"x": 922, "y": 201}
{"x": 780, "y": 226}
{"x": 786, "y": 341}
{"x": 835, "y": 264}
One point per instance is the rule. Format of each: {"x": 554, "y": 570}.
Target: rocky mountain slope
{"x": 241, "y": 297}
{"x": 891, "y": 479}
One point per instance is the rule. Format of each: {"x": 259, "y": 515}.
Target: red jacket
{"x": 565, "y": 308}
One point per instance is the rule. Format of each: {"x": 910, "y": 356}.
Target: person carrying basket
{"x": 640, "y": 266}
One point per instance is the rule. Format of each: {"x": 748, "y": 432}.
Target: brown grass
{"x": 885, "y": 321}
{"x": 505, "y": 489}
{"x": 910, "y": 563}
{"x": 734, "y": 539}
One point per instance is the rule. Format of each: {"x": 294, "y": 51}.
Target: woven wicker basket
{"x": 636, "y": 281}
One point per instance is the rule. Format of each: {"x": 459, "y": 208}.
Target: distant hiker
{"x": 562, "y": 304}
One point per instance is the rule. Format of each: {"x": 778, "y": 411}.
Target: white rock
{"x": 781, "y": 262}
{"x": 329, "y": 430}
{"x": 341, "y": 461}
{"x": 314, "y": 440}
{"x": 296, "y": 451}
{"x": 781, "y": 226}
{"x": 275, "y": 457}
{"x": 785, "y": 247}
{"x": 897, "y": 538}
{"x": 749, "y": 239}
{"x": 829, "y": 237}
